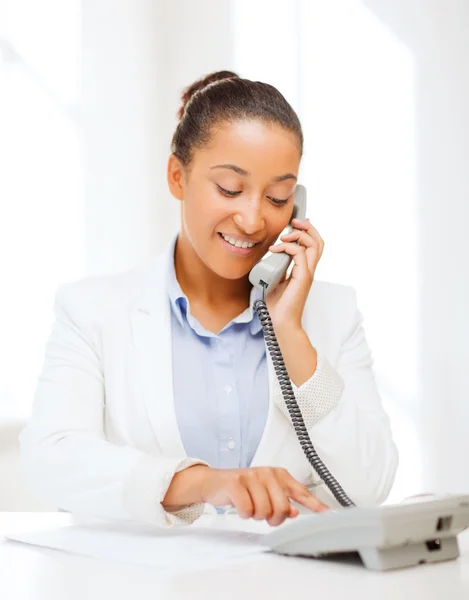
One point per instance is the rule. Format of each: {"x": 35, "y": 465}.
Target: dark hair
{"x": 224, "y": 96}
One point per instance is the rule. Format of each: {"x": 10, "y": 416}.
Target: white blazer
{"x": 103, "y": 439}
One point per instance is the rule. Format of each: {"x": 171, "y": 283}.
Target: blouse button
{"x": 231, "y": 444}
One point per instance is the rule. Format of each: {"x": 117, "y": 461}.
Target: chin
{"x": 231, "y": 273}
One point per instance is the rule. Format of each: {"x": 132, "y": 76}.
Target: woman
{"x": 157, "y": 396}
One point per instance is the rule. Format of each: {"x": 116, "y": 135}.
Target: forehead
{"x": 252, "y": 145}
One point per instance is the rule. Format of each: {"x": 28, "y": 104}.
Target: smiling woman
{"x": 157, "y": 394}
{"x": 249, "y": 198}
{"x": 235, "y": 159}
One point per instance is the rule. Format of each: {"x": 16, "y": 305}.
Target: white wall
{"x": 137, "y": 58}
{"x": 437, "y": 34}
{"x": 266, "y": 44}
{"x": 41, "y": 207}
{"x": 382, "y": 89}
{"x": 357, "y": 91}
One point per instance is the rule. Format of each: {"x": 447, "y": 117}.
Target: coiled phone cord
{"x": 295, "y": 413}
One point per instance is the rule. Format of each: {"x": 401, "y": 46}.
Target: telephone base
{"x": 409, "y": 555}
{"x": 384, "y": 537}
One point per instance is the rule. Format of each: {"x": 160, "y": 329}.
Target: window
{"x": 41, "y": 208}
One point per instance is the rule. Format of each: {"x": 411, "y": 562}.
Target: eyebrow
{"x": 245, "y": 173}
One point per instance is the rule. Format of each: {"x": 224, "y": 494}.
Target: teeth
{"x": 237, "y": 243}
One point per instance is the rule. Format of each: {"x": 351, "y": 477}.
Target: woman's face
{"x": 237, "y": 194}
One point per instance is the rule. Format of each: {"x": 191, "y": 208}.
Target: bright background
{"x": 88, "y": 95}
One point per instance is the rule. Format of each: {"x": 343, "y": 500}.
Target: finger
{"x": 298, "y": 492}
{"x": 303, "y": 496}
{"x": 311, "y": 231}
{"x": 314, "y": 246}
{"x": 260, "y": 498}
{"x": 281, "y": 507}
{"x": 297, "y": 252}
{"x": 241, "y": 500}
{"x": 289, "y": 247}
{"x": 301, "y": 224}
{"x": 294, "y": 512}
{"x": 302, "y": 237}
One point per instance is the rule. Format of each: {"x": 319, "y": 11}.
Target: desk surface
{"x": 29, "y": 573}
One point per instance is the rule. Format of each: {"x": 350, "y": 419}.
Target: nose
{"x": 250, "y": 217}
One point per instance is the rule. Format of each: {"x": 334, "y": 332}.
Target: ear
{"x": 176, "y": 177}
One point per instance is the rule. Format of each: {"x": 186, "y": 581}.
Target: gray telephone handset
{"x": 264, "y": 276}
{"x": 269, "y": 271}
{"x": 385, "y": 537}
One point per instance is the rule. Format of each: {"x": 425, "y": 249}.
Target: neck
{"x": 198, "y": 282}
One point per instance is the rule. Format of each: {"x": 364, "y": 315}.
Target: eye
{"x": 228, "y": 193}
{"x": 277, "y": 201}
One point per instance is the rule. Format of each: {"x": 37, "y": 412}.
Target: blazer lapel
{"x": 151, "y": 324}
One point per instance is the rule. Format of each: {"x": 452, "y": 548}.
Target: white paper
{"x": 174, "y": 549}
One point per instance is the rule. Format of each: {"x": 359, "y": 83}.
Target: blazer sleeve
{"x": 345, "y": 418}
{"x": 65, "y": 454}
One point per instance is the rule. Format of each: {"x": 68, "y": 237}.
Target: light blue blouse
{"x": 220, "y": 382}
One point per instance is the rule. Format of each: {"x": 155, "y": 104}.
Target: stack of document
{"x": 170, "y": 550}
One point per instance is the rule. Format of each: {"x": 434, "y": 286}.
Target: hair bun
{"x": 200, "y": 84}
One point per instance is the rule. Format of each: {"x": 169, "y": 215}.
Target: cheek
{"x": 277, "y": 222}
{"x": 203, "y": 210}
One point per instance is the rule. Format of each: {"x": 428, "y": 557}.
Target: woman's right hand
{"x": 257, "y": 492}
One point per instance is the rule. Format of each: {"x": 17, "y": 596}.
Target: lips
{"x": 236, "y": 249}
{"x": 238, "y": 242}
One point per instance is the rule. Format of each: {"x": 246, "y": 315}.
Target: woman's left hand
{"x": 287, "y": 301}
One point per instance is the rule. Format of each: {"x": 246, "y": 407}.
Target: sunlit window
{"x": 41, "y": 208}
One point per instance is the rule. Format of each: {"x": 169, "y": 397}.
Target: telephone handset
{"x": 269, "y": 271}
{"x": 265, "y": 276}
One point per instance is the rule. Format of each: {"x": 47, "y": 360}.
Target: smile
{"x": 237, "y": 243}
{"x": 237, "y": 247}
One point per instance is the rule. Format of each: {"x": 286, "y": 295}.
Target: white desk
{"x": 29, "y": 573}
